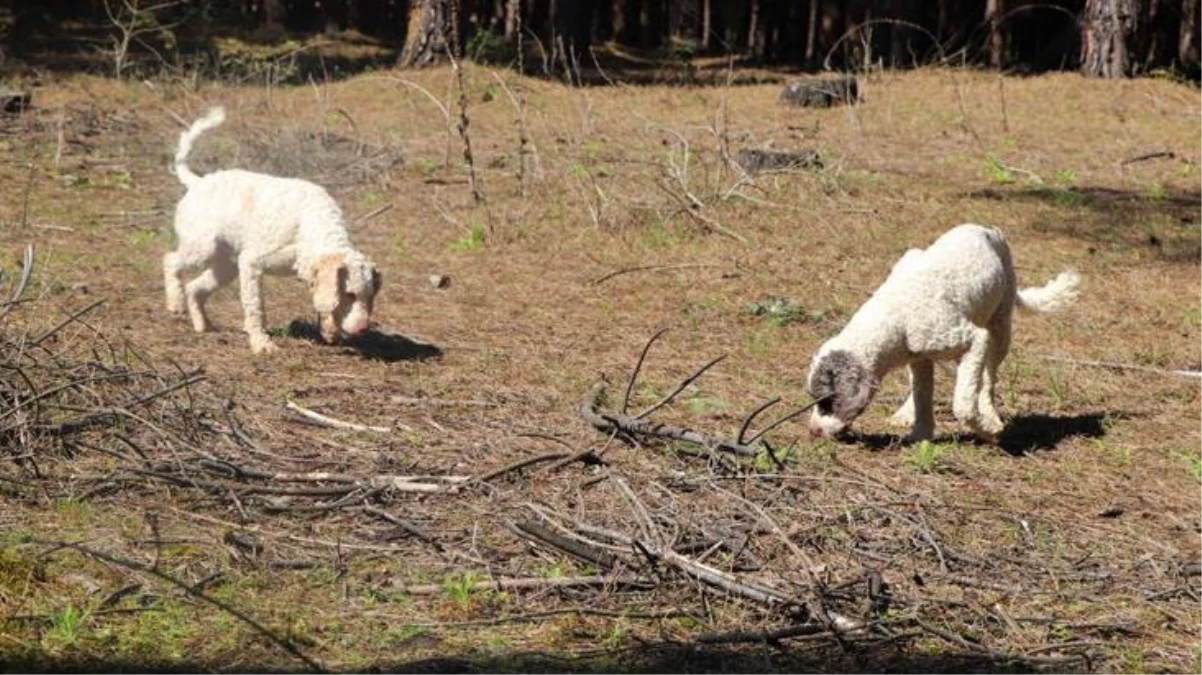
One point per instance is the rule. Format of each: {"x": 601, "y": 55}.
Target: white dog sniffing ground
{"x": 236, "y": 223}
{"x": 952, "y": 301}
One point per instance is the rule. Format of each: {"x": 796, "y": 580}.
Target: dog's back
{"x": 966, "y": 272}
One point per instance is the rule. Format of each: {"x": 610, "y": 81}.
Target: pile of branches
{"x": 70, "y": 391}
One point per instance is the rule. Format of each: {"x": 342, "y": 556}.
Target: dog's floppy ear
{"x": 844, "y": 383}
{"x": 326, "y": 278}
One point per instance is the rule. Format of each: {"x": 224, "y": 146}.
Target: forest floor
{"x": 162, "y": 503}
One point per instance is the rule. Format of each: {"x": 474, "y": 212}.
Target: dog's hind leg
{"x": 969, "y": 379}
{"x": 220, "y": 272}
{"x": 173, "y": 284}
{"x": 999, "y": 346}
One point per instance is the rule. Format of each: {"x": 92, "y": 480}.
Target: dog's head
{"x": 344, "y": 288}
{"x": 843, "y": 387}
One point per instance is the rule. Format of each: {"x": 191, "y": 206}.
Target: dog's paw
{"x": 919, "y": 433}
{"x": 903, "y": 418}
{"x": 986, "y": 430}
{"x": 262, "y": 345}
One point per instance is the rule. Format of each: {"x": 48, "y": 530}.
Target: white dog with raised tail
{"x": 236, "y": 223}
{"x": 952, "y": 301}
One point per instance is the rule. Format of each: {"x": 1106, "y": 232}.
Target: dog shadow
{"x": 1023, "y": 435}
{"x": 373, "y": 345}
{"x": 1030, "y": 433}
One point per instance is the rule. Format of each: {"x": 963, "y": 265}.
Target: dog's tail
{"x": 1056, "y": 294}
{"x": 211, "y": 119}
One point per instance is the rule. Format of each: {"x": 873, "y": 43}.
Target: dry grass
{"x": 1083, "y": 528}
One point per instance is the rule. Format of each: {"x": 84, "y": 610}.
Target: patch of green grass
{"x": 459, "y": 588}
{"x": 66, "y": 628}
{"x": 472, "y": 240}
{"x": 699, "y": 404}
{"x": 997, "y": 172}
{"x": 1065, "y": 177}
{"x": 780, "y": 312}
{"x": 658, "y": 236}
{"x": 164, "y": 630}
{"x": 143, "y": 237}
{"x": 1058, "y": 386}
{"x": 1120, "y": 453}
{"x": 1192, "y": 460}
{"x": 399, "y": 635}
{"x": 764, "y": 463}
{"x": 926, "y": 457}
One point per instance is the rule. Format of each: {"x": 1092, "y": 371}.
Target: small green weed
{"x": 472, "y": 240}
{"x": 997, "y": 171}
{"x": 65, "y": 627}
{"x": 926, "y": 457}
{"x": 460, "y": 588}
{"x": 1065, "y": 176}
{"x": 781, "y": 312}
{"x": 1193, "y": 462}
{"x": 143, "y": 237}
{"x": 764, "y": 463}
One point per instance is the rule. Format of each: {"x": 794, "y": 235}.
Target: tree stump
{"x": 755, "y": 160}
{"x": 13, "y": 102}
{"x": 821, "y": 92}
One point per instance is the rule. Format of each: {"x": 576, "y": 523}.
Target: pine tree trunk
{"x": 811, "y": 33}
{"x": 997, "y": 39}
{"x": 429, "y": 27}
{"x": 1187, "y": 45}
{"x": 1108, "y": 31}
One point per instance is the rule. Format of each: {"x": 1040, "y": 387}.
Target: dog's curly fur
{"x": 242, "y": 224}
{"x": 954, "y": 301}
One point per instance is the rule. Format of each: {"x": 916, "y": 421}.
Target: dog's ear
{"x": 854, "y": 387}
{"x": 326, "y": 279}
{"x": 843, "y": 385}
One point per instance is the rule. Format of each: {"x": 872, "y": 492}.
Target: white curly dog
{"x": 236, "y": 223}
{"x": 951, "y": 301}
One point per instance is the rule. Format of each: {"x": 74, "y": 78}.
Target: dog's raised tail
{"x": 1054, "y": 295}
{"x": 211, "y": 119}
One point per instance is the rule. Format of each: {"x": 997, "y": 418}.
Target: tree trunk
{"x": 754, "y": 43}
{"x": 429, "y": 32}
{"x": 1108, "y": 30}
{"x": 997, "y": 39}
{"x": 1187, "y": 45}
{"x": 811, "y": 33}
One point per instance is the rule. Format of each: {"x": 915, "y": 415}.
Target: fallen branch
{"x": 511, "y": 584}
{"x": 769, "y": 636}
{"x": 1119, "y": 366}
{"x": 520, "y": 464}
{"x": 543, "y": 535}
{"x": 631, "y": 426}
{"x": 650, "y": 268}
{"x": 19, "y": 289}
{"x": 326, "y": 421}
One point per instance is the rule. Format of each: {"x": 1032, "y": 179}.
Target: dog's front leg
{"x": 250, "y": 275}
{"x": 918, "y": 412}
